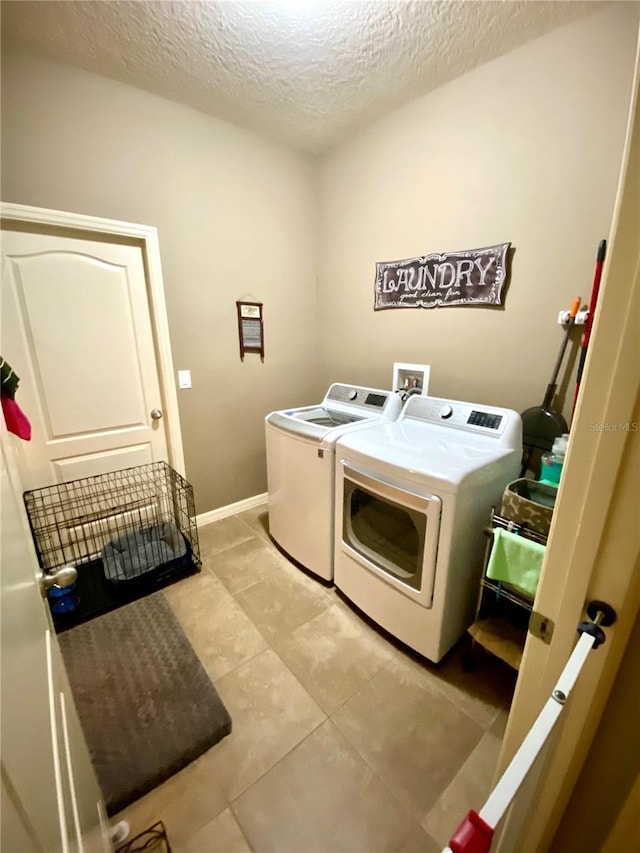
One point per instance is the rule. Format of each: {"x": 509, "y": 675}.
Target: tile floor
{"x": 342, "y": 739}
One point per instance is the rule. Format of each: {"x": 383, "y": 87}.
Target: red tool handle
{"x": 597, "y": 276}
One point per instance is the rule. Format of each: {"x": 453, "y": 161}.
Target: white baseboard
{"x": 230, "y": 509}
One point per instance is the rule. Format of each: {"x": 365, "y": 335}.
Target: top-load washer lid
{"x": 325, "y": 416}
{"x": 344, "y": 408}
{"x": 437, "y": 439}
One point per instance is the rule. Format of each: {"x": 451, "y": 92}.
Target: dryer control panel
{"x": 484, "y": 419}
{"x": 504, "y": 425}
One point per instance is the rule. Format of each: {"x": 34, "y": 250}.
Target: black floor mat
{"x": 146, "y": 704}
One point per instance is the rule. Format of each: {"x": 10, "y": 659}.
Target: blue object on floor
{"x": 62, "y": 600}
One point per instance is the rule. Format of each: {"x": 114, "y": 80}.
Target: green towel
{"x": 515, "y": 560}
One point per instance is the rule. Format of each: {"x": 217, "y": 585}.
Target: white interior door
{"x": 76, "y": 328}
{"x": 50, "y": 797}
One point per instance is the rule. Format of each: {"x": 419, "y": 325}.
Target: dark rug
{"x": 146, "y": 704}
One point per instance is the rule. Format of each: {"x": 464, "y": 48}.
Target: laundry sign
{"x": 472, "y": 277}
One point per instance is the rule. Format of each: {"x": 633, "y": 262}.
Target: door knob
{"x": 60, "y": 578}
{"x": 156, "y": 414}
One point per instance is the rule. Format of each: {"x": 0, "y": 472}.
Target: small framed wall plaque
{"x": 250, "y": 328}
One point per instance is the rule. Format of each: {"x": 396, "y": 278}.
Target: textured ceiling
{"x": 307, "y": 73}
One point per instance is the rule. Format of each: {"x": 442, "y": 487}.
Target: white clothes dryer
{"x": 412, "y": 499}
{"x": 301, "y": 468}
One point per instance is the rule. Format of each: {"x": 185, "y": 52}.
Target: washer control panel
{"x": 367, "y": 398}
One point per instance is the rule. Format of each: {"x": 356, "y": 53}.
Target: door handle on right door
{"x": 156, "y": 414}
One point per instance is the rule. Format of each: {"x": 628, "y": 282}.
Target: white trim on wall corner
{"x": 231, "y": 509}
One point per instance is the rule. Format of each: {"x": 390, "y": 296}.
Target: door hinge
{"x": 541, "y": 627}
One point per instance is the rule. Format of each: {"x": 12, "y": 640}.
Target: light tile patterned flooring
{"x": 342, "y": 739}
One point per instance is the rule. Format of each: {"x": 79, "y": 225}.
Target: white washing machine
{"x": 412, "y": 499}
{"x": 301, "y": 468}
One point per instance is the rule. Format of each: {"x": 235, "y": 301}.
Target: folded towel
{"x": 515, "y": 560}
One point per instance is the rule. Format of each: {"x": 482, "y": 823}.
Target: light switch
{"x": 184, "y": 379}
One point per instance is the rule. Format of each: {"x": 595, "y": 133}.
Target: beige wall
{"x": 525, "y": 149}
{"x": 236, "y": 216}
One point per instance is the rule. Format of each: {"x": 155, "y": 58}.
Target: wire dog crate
{"x": 127, "y": 533}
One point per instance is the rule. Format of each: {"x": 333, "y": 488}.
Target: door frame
{"x": 593, "y": 544}
{"x": 146, "y": 236}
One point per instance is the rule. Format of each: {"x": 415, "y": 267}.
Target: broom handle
{"x": 551, "y": 387}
